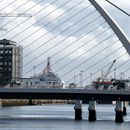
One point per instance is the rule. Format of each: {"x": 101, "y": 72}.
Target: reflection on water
{"x": 59, "y": 117}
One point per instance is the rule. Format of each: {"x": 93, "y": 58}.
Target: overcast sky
{"x": 72, "y": 27}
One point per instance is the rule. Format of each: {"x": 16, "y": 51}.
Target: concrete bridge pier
{"x": 30, "y": 102}
{"x": 92, "y": 111}
{"x": 0, "y": 103}
{"x": 119, "y": 112}
{"x": 124, "y": 109}
{"x": 78, "y": 110}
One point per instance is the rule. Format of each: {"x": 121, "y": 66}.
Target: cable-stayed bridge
{"x": 78, "y": 36}
{"x": 64, "y": 94}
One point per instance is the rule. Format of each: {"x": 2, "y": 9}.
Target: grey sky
{"x": 67, "y": 26}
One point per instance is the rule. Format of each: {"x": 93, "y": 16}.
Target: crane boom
{"x": 109, "y": 69}
{"x": 118, "y": 8}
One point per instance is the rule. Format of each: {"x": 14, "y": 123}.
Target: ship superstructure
{"x": 45, "y": 80}
{"x": 103, "y": 82}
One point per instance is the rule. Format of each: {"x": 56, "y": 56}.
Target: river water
{"x": 59, "y": 117}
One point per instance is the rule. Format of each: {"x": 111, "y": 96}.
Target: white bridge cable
{"x": 51, "y": 31}
{"x": 123, "y": 64}
{"x": 38, "y": 21}
{"x": 66, "y": 37}
{"x": 119, "y": 66}
{"x": 83, "y": 45}
{"x": 26, "y": 19}
{"x": 7, "y": 5}
{"x": 77, "y": 49}
{"x": 13, "y": 11}
{"x": 99, "y": 70}
{"x": 47, "y": 50}
{"x": 90, "y": 58}
{"x": 84, "y": 53}
{"x": 103, "y": 67}
{"x": 124, "y": 72}
{"x": 67, "y": 47}
{"x": 128, "y": 60}
{"x": 118, "y": 8}
{"x": 35, "y": 58}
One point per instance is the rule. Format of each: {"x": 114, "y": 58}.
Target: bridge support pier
{"x": 124, "y": 109}
{"x": 119, "y": 112}
{"x": 78, "y": 110}
{"x": 0, "y": 103}
{"x": 92, "y": 111}
{"x": 30, "y": 102}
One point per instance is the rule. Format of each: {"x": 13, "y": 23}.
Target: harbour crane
{"x": 2, "y": 15}
{"x": 102, "y": 82}
{"x": 108, "y": 71}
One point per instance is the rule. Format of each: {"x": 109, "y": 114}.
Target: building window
{"x": 10, "y": 52}
{"x": 1, "y": 52}
{"x": 9, "y": 63}
{"x": 5, "y": 63}
{"x": 6, "y": 52}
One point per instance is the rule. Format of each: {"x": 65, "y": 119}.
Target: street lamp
{"x": 91, "y": 78}
{"x": 81, "y": 78}
{"x": 34, "y": 70}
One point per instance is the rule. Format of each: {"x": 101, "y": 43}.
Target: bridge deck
{"x": 83, "y": 94}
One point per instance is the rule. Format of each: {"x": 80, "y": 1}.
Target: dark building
{"x": 10, "y": 62}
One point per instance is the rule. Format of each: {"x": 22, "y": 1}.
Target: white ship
{"x": 45, "y": 80}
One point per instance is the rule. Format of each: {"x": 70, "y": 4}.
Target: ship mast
{"x": 48, "y": 69}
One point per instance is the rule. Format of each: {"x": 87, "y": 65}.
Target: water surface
{"x": 59, "y": 117}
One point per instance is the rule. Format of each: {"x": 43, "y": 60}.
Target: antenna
{"x": 2, "y": 15}
{"x": 47, "y": 70}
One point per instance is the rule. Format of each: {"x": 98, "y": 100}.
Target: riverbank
{"x": 24, "y": 102}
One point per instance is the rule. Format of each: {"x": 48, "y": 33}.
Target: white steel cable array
{"x": 65, "y": 62}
